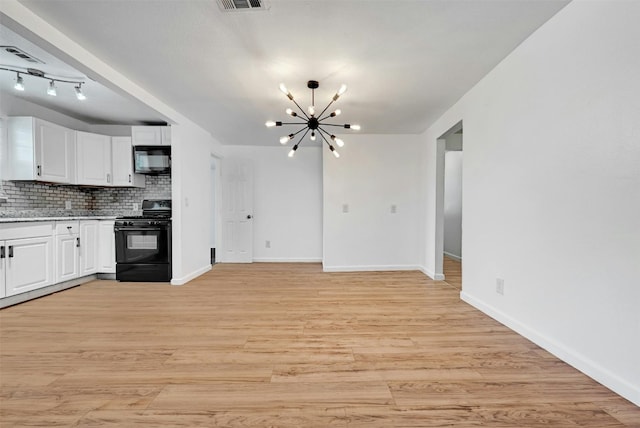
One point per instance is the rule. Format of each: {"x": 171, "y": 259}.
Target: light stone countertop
{"x": 65, "y": 218}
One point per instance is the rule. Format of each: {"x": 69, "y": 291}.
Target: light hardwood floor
{"x": 452, "y": 270}
{"x": 283, "y": 345}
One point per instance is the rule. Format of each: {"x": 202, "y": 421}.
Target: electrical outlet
{"x": 67, "y": 205}
{"x": 134, "y": 206}
{"x": 500, "y": 286}
{"x": 394, "y": 208}
{"x": 267, "y": 244}
{"x": 345, "y": 208}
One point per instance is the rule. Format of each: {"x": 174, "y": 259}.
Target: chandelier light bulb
{"x": 51, "y": 90}
{"x": 334, "y": 151}
{"x": 19, "y": 86}
{"x": 79, "y": 94}
{"x": 270, "y": 124}
{"x": 312, "y": 110}
{"x": 336, "y": 113}
{"x": 342, "y": 89}
{"x": 284, "y": 89}
{"x": 291, "y": 112}
{"x": 355, "y": 127}
{"x": 293, "y": 151}
{"x": 339, "y": 142}
{"x": 286, "y": 139}
{"x": 313, "y": 136}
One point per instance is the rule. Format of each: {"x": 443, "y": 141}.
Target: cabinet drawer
{"x": 67, "y": 228}
{"x": 25, "y": 230}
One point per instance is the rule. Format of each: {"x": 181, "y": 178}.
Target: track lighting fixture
{"x": 311, "y": 122}
{"x": 51, "y": 89}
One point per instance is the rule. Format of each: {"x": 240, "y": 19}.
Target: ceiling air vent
{"x": 236, "y": 5}
{"x": 21, "y": 54}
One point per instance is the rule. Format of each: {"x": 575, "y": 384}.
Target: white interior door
{"x": 237, "y": 207}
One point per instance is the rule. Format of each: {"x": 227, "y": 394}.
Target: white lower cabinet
{"x": 107, "y": 253}
{"x": 88, "y": 247}
{"x": 26, "y": 258}
{"x": 67, "y": 250}
{"x": 38, "y": 254}
{"x": 76, "y": 249}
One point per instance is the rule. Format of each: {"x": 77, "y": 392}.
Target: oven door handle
{"x": 139, "y": 229}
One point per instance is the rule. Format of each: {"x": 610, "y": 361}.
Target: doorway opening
{"x": 449, "y": 247}
{"x": 213, "y": 222}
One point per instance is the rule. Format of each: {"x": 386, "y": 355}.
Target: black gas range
{"x": 143, "y": 243}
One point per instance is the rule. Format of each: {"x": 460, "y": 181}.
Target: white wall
{"x": 453, "y": 204}
{"x": 191, "y": 193}
{"x": 373, "y": 173}
{"x": 551, "y": 190}
{"x": 287, "y": 202}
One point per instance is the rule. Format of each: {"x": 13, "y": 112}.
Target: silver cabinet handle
{"x": 77, "y": 242}
{"x": 129, "y": 178}
{"x": 10, "y": 250}
{"x": 108, "y": 178}
{"x": 39, "y": 170}
{"x": 2, "y": 256}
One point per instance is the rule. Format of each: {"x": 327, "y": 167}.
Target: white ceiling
{"x": 102, "y": 106}
{"x": 405, "y": 61}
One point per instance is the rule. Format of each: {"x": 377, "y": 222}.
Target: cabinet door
{"x": 55, "y": 153}
{"x": 29, "y": 264}
{"x": 88, "y": 247}
{"x": 122, "y": 164}
{"x": 107, "y": 243}
{"x": 146, "y": 135}
{"x": 3, "y": 290}
{"x": 67, "y": 257}
{"x": 93, "y": 159}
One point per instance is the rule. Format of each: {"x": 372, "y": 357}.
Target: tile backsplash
{"x": 32, "y": 199}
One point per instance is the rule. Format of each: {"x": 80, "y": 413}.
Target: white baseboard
{"x": 452, "y": 256}
{"x": 367, "y": 268}
{"x": 189, "y": 277}
{"x": 40, "y": 292}
{"x": 570, "y": 356}
{"x": 431, "y": 274}
{"x": 286, "y": 260}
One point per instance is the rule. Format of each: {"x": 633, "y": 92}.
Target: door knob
{"x": 249, "y": 217}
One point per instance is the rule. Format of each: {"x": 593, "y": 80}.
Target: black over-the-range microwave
{"x": 152, "y": 159}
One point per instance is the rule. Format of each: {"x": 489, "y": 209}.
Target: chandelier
{"x": 311, "y": 122}
{"x": 51, "y": 89}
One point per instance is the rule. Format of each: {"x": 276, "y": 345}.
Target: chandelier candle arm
{"x": 333, "y": 149}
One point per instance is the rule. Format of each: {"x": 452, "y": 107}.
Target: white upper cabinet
{"x": 151, "y": 135}
{"x": 122, "y": 164}
{"x": 93, "y": 159}
{"x": 39, "y": 150}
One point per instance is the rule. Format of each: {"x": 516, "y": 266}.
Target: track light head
{"x": 51, "y": 90}
{"x": 19, "y": 86}
{"x": 79, "y": 94}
